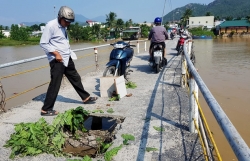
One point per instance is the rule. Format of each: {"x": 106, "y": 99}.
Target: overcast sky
{"x": 16, "y": 11}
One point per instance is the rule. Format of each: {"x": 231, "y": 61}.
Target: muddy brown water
{"x": 224, "y": 65}
{"x": 16, "y": 84}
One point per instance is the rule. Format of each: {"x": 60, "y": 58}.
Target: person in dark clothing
{"x": 158, "y": 34}
{"x": 55, "y": 43}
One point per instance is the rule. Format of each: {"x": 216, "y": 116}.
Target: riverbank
{"x": 34, "y": 41}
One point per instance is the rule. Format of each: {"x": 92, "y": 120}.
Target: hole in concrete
{"x": 101, "y": 130}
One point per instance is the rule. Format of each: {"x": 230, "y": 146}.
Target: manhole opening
{"x": 101, "y": 131}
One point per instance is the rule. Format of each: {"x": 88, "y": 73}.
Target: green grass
{"x": 199, "y": 32}
{"x": 9, "y": 42}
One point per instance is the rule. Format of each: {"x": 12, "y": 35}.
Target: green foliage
{"x": 11, "y": 42}
{"x": 86, "y": 158}
{"x": 131, "y": 85}
{"x": 127, "y": 137}
{"x": 35, "y": 138}
{"x": 148, "y": 149}
{"x": 103, "y": 146}
{"x": 31, "y": 139}
{"x": 109, "y": 154}
{"x": 198, "y": 31}
{"x": 115, "y": 97}
{"x": 96, "y": 111}
{"x": 1, "y": 34}
{"x": 158, "y": 128}
{"x": 145, "y": 30}
{"x": 19, "y": 33}
{"x": 110, "y": 110}
{"x": 219, "y": 8}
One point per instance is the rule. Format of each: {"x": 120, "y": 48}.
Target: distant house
{"x": 202, "y": 21}
{"x": 147, "y": 23}
{"x": 6, "y": 33}
{"x": 238, "y": 26}
{"x": 91, "y": 23}
{"x": 21, "y": 25}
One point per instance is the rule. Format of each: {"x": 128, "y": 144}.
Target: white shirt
{"x": 54, "y": 39}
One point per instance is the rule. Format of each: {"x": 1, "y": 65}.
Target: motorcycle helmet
{"x": 67, "y": 14}
{"x": 157, "y": 20}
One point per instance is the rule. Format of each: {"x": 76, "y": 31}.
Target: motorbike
{"x": 172, "y": 35}
{"x": 180, "y": 44}
{"x": 119, "y": 60}
{"x": 158, "y": 61}
{"x": 180, "y": 48}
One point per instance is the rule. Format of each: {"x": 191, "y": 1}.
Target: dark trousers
{"x": 57, "y": 70}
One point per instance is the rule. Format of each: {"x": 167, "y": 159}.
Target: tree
{"x": 119, "y": 26}
{"x": 1, "y": 32}
{"x": 208, "y": 14}
{"x": 96, "y": 30}
{"x": 18, "y": 33}
{"x": 248, "y": 18}
{"x": 35, "y": 27}
{"x": 217, "y": 18}
{"x": 75, "y": 31}
{"x": 111, "y": 19}
{"x": 188, "y": 13}
{"x": 145, "y": 30}
{"x": 129, "y": 23}
{"x": 229, "y": 18}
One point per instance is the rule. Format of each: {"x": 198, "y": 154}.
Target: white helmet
{"x": 66, "y": 13}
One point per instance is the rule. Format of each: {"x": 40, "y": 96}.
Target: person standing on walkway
{"x": 157, "y": 34}
{"x": 55, "y": 43}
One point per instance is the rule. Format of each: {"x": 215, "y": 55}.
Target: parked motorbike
{"x": 119, "y": 60}
{"x": 158, "y": 61}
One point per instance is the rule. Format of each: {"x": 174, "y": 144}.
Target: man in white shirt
{"x": 55, "y": 43}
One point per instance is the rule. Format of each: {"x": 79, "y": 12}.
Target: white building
{"x": 202, "y": 21}
{"x": 92, "y": 23}
{"x": 6, "y": 33}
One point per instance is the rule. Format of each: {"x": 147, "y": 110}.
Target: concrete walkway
{"x": 158, "y": 101}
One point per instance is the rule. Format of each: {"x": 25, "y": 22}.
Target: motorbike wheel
{"x": 157, "y": 68}
{"x": 109, "y": 72}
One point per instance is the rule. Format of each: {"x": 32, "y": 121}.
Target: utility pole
{"x": 55, "y": 11}
{"x": 163, "y": 12}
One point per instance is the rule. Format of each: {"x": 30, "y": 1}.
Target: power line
{"x": 163, "y": 12}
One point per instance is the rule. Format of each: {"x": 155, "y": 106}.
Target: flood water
{"x": 21, "y": 80}
{"x": 224, "y": 65}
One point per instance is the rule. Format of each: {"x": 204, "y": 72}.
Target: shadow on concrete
{"x": 59, "y": 98}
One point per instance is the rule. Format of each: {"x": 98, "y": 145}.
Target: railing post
{"x": 145, "y": 45}
{"x": 191, "y": 106}
{"x": 138, "y": 46}
{"x": 183, "y": 71}
{"x": 96, "y": 59}
{"x": 2, "y": 102}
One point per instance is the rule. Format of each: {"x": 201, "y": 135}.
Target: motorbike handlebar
{"x": 128, "y": 45}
